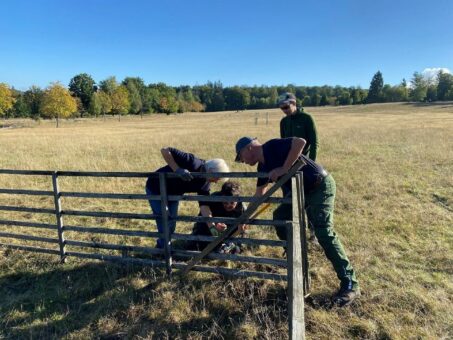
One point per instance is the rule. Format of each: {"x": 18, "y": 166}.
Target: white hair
{"x": 217, "y": 165}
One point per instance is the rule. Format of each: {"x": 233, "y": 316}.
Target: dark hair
{"x": 230, "y": 189}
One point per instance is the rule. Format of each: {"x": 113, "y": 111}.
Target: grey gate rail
{"x": 296, "y": 263}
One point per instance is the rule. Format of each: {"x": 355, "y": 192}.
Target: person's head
{"x": 247, "y": 150}
{"x": 230, "y": 189}
{"x": 216, "y": 165}
{"x": 287, "y": 103}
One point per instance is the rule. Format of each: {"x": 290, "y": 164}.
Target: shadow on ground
{"x": 65, "y": 302}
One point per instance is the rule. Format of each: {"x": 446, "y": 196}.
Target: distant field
{"x": 393, "y": 164}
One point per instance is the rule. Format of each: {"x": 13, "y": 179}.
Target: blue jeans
{"x": 172, "y": 209}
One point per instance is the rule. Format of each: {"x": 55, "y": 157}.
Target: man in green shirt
{"x": 298, "y": 123}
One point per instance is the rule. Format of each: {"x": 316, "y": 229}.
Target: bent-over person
{"x": 276, "y": 157}
{"x": 183, "y": 164}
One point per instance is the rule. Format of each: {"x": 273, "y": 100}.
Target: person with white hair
{"x": 183, "y": 164}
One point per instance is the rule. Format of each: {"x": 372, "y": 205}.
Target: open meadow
{"x": 393, "y": 165}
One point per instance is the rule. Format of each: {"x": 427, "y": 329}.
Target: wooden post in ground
{"x": 58, "y": 216}
{"x": 164, "y": 210}
{"x": 295, "y": 273}
{"x": 303, "y": 231}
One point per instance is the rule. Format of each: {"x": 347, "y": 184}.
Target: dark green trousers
{"x": 319, "y": 205}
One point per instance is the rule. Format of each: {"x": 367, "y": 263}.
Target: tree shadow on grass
{"x": 62, "y": 302}
{"x": 57, "y": 302}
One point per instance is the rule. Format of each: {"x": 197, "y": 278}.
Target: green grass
{"x": 393, "y": 164}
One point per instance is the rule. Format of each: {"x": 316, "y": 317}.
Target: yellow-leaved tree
{"x": 120, "y": 101}
{"x": 57, "y": 102}
{"x": 7, "y": 99}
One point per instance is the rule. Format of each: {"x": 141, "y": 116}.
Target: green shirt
{"x": 301, "y": 124}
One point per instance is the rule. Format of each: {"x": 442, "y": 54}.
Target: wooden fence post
{"x": 303, "y": 231}
{"x": 295, "y": 272}
{"x": 164, "y": 209}
{"x": 58, "y": 216}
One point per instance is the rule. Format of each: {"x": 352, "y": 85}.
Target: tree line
{"x": 85, "y": 97}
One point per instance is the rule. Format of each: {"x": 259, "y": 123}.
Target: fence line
{"x": 296, "y": 263}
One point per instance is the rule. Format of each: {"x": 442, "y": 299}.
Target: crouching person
{"x": 220, "y": 209}
{"x": 183, "y": 164}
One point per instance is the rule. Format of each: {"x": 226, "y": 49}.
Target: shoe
{"x": 345, "y": 296}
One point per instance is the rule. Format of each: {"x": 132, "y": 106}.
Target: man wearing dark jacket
{"x": 276, "y": 157}
{"x": 298, "y": 123}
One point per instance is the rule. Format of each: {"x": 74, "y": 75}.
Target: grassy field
{"x": 393, "y": 164}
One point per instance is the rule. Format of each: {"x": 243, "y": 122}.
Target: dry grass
{"x": 393, "y": 164}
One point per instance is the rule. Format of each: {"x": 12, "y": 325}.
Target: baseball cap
{"x": 286, "y": 98}
{"x": 240, "y": 144}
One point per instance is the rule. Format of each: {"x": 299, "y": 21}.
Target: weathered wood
{"x": 120, "y": 259}
{"x": 25, "y": 209}
{"x": 303, "y": 231}
{"x": 234, "y": 258}
{"x": 28, "y": 237}
{"x": 108, "y": 214}
{"x": 26, "y": 192}
{"x": 58, "y": 217}
{"x": 25, "y": 172}
{"x": 109, "y": 231}
{"x": 240, "y": 220}
{"x": 178, "y": 218}
{"x": 155, "y": 174}
{"x": 100, "y": 245}
{"x": 251, "y": 241}
{"x": 195, "y": 198}
{"x": 295, "y": 274}
{"x": 30, "y": 248}
{"x": 165, "y": 213}
{"x": 229, "y": 220}
{"x": 28, "y": 224}
{"x": 232, "y": 272}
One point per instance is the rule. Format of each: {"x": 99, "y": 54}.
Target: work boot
{"x": 345, "y": 296}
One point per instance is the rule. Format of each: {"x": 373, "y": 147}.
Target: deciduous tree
{"x": 57, "y": 102}
{"x": 120, "y": 101}
{"x": 7, "y": 99}
{"x": 82, "y": 86}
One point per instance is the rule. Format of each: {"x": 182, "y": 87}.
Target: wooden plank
{"x": 230, "y": 220}
{"x": 26, "y": 192}
{"x": 26, "y": 172}
{"x": 109, "y": 231}
{"x": 155, "y": 174}
{"x": 232, "y": 272}
{"x": 28, "y": 237}
{"x": 164, "y": 210}
{"x": 58, "y": 217}
{"x": 250, "y": 210}
{"x": 295, "y": 274}
{"x": 100, "y": 245}
{"x": 28, "y": 224}
{"x": 251, "y": 241}
{"x": 119, "y": 259}
{"x": 190, "y": 198}
{"x": 25, "y": 209}
{"x": 234, "y": 258}
{"x": 30, "y": 248}
{"x": 108, "y": 214}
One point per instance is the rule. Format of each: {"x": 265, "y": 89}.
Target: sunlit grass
{"x": 394, "y": 213}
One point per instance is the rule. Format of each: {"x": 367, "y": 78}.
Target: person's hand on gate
{"x": 220, "y": 227}
{"x": 185, "y": 174}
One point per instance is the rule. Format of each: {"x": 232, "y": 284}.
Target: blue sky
{"x": 183, "y": 42}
